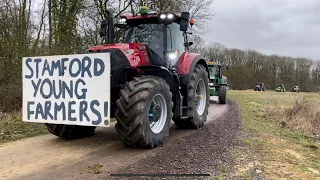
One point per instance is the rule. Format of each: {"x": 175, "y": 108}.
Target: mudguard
{"x": 186, "y": 65}
{"x": 188, "y": 61}
{"x": 224, "y": 81}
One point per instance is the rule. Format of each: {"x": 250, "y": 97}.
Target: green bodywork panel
{"x": 280, "y": 88}
{"x": 216, "y": 79}
{"x": 213, "y": 91}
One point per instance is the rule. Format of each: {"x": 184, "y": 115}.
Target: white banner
{"x": 67, "y": 89}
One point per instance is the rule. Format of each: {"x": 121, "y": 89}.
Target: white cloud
{"x": 284, "y": 27}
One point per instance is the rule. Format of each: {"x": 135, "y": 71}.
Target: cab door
{"x": 175, "y": 43}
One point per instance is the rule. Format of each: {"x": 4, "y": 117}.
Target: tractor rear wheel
{"x": 198, "y": 99}
{"x": 71, "y": 131}
{"x": 222, "y": 94}
{"x": 144, "y": 112}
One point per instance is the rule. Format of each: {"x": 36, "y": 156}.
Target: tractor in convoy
{"x": 295, "y": 89}
{"x": 280, "y": 88}
{"x": 260, "y": 87}
{"x": 154, "y": 79}
{"x": 218, "y": 83}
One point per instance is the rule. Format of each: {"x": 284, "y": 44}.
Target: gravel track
{"x": 203, "y": 152}
{"x": 185, "y": 151}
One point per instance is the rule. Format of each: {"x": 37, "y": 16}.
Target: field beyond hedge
{"x": 281, "y": 135}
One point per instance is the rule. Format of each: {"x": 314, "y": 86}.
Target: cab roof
{"x": 151, "y": 18}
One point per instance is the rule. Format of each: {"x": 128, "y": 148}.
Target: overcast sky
{"x": 284, "y": 27}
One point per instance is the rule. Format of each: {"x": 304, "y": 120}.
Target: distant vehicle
{"x": 280, "y": 88}
{"x": 218, "y": 83}
{"x": 260, "y": 87}
{"x": 295, "y": 89}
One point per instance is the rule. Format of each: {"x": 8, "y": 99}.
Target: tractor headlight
{"x": 167, "y": 17}
{"x": 123, "y": 20}
{"x": 211, "y": 84}
{"x": 172, "y": 55}
{"x": 163, "y": 16}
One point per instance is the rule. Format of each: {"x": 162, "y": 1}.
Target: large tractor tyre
{"x": 71, "y": 131}
{"x": 144, "y": 112}
{"x": 198, "y": 99}
{"x": 222, "y": 94}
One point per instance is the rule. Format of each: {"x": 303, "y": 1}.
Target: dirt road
{"x": 185, "y": 151}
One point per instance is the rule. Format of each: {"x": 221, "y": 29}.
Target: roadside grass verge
{"x": 13, "y": 128}
{"x": 281, "y": 135}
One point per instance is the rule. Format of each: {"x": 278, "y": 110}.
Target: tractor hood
{"x": 123, "y": 47}
{"x": 212, "y": 77}
{"x": 133, "y": 53}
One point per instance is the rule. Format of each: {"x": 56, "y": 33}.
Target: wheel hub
{"x": 200, "y": 97}
{"x": 157, "y": 113}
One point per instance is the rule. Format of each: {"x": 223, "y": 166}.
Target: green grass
{"x": 13, "y": 128}
{"x": 278, "y": 129}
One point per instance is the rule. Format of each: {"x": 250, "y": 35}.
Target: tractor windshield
{"x": 213, "y": 70}
{"x": 149, "y": 34}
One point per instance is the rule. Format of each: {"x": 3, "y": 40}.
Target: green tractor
{"x": 218, "y": 83}
{"x": 280, "y": 88}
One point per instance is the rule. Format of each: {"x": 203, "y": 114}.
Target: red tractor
{"x": 154, "y": 79}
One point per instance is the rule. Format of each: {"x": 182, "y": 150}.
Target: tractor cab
{"x": 163, "y": 35}
{"x": 215, "y": 72}
{"x": 217, "y": 82}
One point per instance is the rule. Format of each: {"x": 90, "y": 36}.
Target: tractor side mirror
{"x": 184, "y": 21}
{"x": 227, "y": 67}
{"x": 190, "y": 43}
{"x": 103, "y": 28}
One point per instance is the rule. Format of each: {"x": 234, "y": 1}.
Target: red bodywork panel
{"x": 135, "y": 52}
{"x": 139, "y": 17}
{"x": 185, "y": 62}
{"x": 137, "y": 55}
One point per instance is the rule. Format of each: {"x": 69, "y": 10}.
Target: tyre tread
{"x": 129, "y": 113}
{"x": 193, "y": 123}
{"x": 222, "y": 94}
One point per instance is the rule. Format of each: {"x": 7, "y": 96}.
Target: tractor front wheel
{"x": 71, "y": 131}
{"x": 223, "y": 94}
{"x": 198, "y": 99}
{"x": 144, "y": 112}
